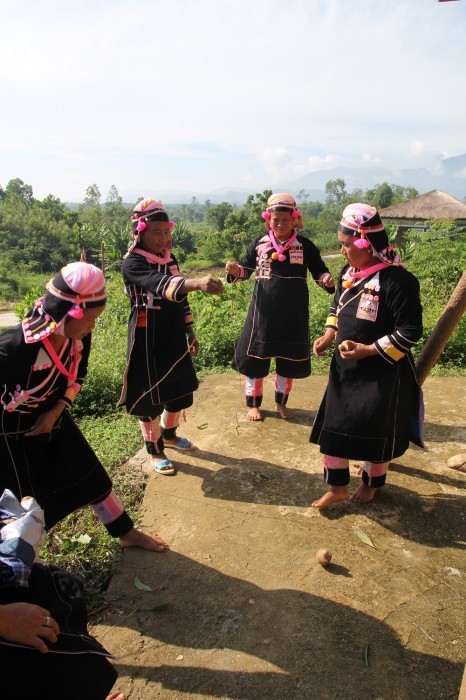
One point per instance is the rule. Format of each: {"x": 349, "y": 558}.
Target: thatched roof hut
{"x": 416, "y": 212}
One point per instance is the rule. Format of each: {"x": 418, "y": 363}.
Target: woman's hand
{"x": 46, "y": 421}
{"x": 350, "y": 350}
{"x": 232, "y": 268}
{"x": 327, "y": 280}
{"x": 193, "y": 344}
{"x": 28, "y": 624}
{"x": 324, "y": 342}
{"x": 208, "y": 284}
{"x": 211, "y": 285}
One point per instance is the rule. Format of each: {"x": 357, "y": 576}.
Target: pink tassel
{"x": 266, "y": 215}
{"x": 281, "y": 257}
{"x": 171, "y": 224}
{"x": 141, "y": 226}
{"x": 76, "y": 312}
{"x": 361, "y": 243}
{"x": 296, "y": 214}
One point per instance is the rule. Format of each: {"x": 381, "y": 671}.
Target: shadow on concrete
{"x": 321, "y": 654}
{"x": 440, "y": 517}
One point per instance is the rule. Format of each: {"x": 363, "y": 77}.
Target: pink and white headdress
{"x": 144, "y": 210}
{"x": 77, "y": 286}
{"x": 282, "y": 202}
{"x": 147, "y": 210}
{"x": 363, "y": 221}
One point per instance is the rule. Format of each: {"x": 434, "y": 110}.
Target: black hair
{"x": 154, "y": 216}
{"x": 281, "y": 208}
{"x": 346, "y": 231}
{"x": 157, "y": 216}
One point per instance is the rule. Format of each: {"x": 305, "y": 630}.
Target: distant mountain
{"x": 450, "y": 177}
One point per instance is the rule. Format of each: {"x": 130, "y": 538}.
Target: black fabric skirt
{"x": 59, "y": 469}
{"x": 156, "y": 376}
{"x": 370, "y": 411}
{"x": 76, "y": 666}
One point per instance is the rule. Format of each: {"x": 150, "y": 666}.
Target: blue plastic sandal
{"x": 183, "y": 444}
{"x": 163, "y": 466}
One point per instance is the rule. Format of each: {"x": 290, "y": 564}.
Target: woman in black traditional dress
{"x": 43, "y": 363}
{"x": 277, "y": 324}
{"x": 46, "y": 650}
{"x": 373, "y": 406}
{"x": 159, "y": 379}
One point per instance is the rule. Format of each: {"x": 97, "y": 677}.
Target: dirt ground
{"x": 247, "y": 613}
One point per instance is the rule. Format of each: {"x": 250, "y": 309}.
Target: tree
{"x": 401, "y": 194}
{"x": 30, "y": 235}
{"x": 54, "y": 206}
{"x": 217, "y": 215}
{"x": 336, "y": 191}
{"x": 92, "y": 198}
{"x": 90, "y": 238}
{"x": 183, "y": 238}
{"x": 302, "y": 197}
{"x": 89, "y": 211}
{"x": 311, "y": 209}
{"x": 380, "y": 196}
{"x": 116, "y": 239}
{"x": 16, "y": 188}
{"x": 115, "y": 214}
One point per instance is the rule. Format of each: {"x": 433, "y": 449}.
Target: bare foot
{"x": 284, "y": 412}
{"x": 363, "y": 494}
{"x": 254, "y": 414}
{"x": 335, "y": 494}
{"x": 116, "y": 695}
{"x": 137, "y": 538}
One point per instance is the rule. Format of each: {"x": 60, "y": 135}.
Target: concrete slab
{"x": 8, "y": 319}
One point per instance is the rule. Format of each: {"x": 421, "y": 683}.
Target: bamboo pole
{"x": 442, "y": 332}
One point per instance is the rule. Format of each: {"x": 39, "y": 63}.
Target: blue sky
{"x": 158, "y": 96}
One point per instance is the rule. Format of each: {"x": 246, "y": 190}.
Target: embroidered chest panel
{"x": 267, "y": 262}
{"x": 369, "y": 300}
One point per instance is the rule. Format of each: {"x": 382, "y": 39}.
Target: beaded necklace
{"x": 352, "y": 274}
{"x": 161, "y": 259}
{"x": 280, "y": 249}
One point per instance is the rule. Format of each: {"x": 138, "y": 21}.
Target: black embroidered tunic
{"x": 159, "y": 369}
{"x": 277, "y": 323}
{"x": 59, "y": 469}
{"x": 373, "y": 408}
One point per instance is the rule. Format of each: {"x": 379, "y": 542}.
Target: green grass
{"x": 80, "y": 543}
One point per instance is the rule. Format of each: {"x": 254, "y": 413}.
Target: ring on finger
{"x": 47, "y": 621}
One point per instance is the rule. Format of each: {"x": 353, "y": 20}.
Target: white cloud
{"x": 329, "y": 161}
{"x": 369, "y": 159}
{"x": 425, "y": 157}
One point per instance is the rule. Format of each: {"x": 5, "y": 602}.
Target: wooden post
{"x": 445, "y": 326}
